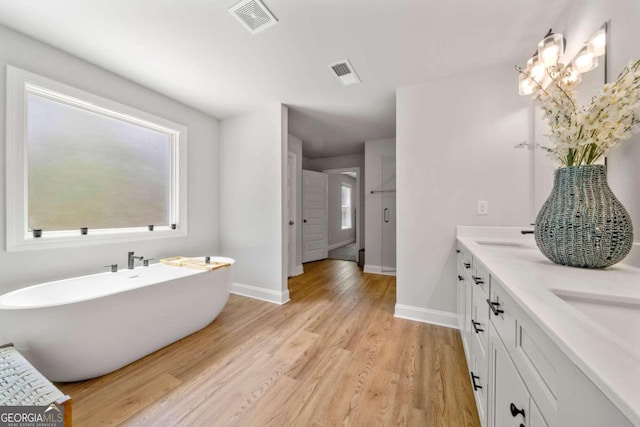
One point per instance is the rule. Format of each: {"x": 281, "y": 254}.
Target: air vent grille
{"x": 254, "y": 15}
{"x": 345, "y": 72}
{"x": 341, "y": 69}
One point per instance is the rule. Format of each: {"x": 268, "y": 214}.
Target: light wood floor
{"x": 334, "y": 355}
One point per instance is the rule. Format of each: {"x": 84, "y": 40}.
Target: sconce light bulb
{"x": 598, "y": 43}
{"x": 585, "y": 60}
{"x": 525, "y": 86}
{"x": 537, "y": 71}
{"x": 550, "y": 55}
{"x": 571, "y": 75}
{"x": 550, "y": 49}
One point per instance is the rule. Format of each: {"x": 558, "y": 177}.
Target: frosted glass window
{"x": 346, "y": 207}
{"x": 89, "y": 169}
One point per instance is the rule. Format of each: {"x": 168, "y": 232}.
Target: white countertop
{"x": 529, "y": 277}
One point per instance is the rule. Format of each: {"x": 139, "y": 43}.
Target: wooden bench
{"x": 22, "y": 385}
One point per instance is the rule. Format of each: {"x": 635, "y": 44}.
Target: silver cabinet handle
{"x": 386, "y": 214}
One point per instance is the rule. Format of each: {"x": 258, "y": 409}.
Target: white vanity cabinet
{"x": 520, "y": 377}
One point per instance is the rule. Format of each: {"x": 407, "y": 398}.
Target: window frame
{"x": 344, "y": 185}
{"x": 18, "y": 237}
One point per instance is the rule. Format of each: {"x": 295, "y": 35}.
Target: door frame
{"x": 359, "y": 209}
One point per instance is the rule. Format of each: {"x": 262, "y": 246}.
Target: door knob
{"x": 291, "y": 223}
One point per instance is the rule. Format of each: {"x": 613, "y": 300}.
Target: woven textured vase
{"x": 582, "y": 223}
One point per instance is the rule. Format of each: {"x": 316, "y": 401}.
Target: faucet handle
{"x": 145, "y": 262}
{"x": 114, "y": 267}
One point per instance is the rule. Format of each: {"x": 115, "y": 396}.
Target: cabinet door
{"x": 510, "y": 398}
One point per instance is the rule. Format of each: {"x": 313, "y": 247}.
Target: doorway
{"x": 344, "y": 213}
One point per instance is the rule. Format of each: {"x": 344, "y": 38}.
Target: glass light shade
{"x": 571, "y": 75}
{"x": 598, "y": 43}
{"x": 525, "y": 85}
{"x": 550, "y": 49}
{"x": 585, "y": 60}
{"x": 536, "y": 68}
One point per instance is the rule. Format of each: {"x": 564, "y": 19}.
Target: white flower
{"x": 583, "y": 134}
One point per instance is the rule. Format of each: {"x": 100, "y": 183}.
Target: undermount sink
{"x": 618, "y": 315}
{"x": 503, "y": 244}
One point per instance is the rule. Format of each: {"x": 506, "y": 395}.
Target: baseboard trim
{"x": 341, "y": 244}
{"x": 377, "y": 269}
{"x": 260, "y": 293}
{"x": 426, "y": 315}
{"x": 297, "y": 270}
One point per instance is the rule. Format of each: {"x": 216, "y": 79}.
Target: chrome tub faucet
{"x": 132, "y": 259}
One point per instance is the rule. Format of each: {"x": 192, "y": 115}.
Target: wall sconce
{"x": 549, "y": 55}
{"x": 550, "y": 50}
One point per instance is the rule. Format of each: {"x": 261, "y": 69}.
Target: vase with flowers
{"x": 582, "y": 223}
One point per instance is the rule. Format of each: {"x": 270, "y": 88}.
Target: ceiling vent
{"x": 254, "y": 15}
{"x": 345, "y": 72}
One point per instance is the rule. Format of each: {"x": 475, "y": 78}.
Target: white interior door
{"x": 314, "y": 204}
{"x": 291, "y": 211}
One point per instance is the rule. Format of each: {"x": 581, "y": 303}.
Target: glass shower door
{"x": 388, "y": 214}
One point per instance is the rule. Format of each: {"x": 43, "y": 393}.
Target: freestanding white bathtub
{"x": 84, "y": 327}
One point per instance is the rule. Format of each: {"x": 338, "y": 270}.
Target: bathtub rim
{"x": 3, "y": 306}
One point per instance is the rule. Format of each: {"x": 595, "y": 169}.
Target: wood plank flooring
{"x": 334, "y": 355}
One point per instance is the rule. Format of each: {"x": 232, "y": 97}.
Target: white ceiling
{"x": 196, "y": 52}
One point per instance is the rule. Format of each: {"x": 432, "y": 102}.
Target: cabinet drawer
{"x": 510, "y": 403}
{"x": 502, "y": 311}
{"x": 479, "y": 321}
{"x": 481, "y": 277}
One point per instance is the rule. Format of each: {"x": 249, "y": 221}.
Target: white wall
{"x": 373, "y": 153}
{"x": 19, "y": 269}
{"x": 581, "y": 19}
{"x": 253, "y": 150}
{"x": 295, "y": 146}
{"x": 455, "y": 141}
{"x": 337, "y": 235}
{"x": 342, "y": 162}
